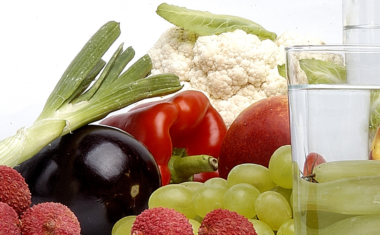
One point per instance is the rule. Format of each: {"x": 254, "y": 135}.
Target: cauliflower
{"x": 173, "y": 53}
{"x": 233, "y": 69}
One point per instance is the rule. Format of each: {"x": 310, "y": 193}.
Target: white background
{"x": 39, "y": 38}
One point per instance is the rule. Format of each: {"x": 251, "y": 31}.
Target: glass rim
{"x": 334, "y": 48}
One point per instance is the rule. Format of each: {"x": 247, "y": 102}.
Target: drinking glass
{"x": 333, "y": 122}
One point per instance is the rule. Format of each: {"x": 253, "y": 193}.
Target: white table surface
{"x": 40, "y": 38}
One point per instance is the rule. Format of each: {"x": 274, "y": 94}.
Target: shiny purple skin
{"x": 101, "y": 173}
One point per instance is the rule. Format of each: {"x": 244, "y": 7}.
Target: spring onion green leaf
{"x": 88, "y": 91}
{"x": 205, "y": 23}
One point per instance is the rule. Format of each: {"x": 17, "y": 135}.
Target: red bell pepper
{"x": 186, "y": 120}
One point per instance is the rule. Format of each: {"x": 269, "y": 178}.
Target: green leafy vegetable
{"x": 205, "y": 23}
{"x": 323, "y": 72}
{"x": 74, "y": 103}
{"x": 281, "y": 70}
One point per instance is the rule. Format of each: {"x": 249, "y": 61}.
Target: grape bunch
{"x": 261, "y": 194}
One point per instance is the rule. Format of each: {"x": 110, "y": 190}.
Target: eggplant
{"x": 101, "y": 173}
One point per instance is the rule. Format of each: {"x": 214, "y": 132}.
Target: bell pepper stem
{"x": 183, "y": 167}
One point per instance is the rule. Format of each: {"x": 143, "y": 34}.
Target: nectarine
{"x": 255, "y": 134}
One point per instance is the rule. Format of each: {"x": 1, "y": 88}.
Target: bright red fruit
{"x": 312, "y": 160}
{"x": 256, "y": 133}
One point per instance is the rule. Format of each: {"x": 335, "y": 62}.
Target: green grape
{"x": 217, "y": 181}
{"x": 194, "y": 185}
{"x": 280, "y": 167}
{"x": 261, "y": 228}
{"x": 175, "y": 196}
{"x": 291, "y": 200}
{"x": 331, "y": 171}
{"x": 250, "y": 173}
{"x": 195, "y": 224}
{"x": 353, "y": 196}
{"x": 124, "y": 225}
{"x": 241, "y": 198}
{"x": 287, "y": 228}
{"x": 287, "y": 193}
{"x": 273, "y": 209}
{"x": 363, "y": 225}
{"x": 198, "y": 218}
{"x": 208, "y": 198}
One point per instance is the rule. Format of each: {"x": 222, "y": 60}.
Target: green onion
{"x": 88, "y": 91}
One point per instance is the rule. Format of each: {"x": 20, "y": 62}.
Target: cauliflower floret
{"x": 234, "y": 63}
{"x": 274, "y": 84}
{"x": 175, "y": 45}
{"x": 291, "y": 38}
{"x": 228, "y": 107}
{"x": 233, "y": 69}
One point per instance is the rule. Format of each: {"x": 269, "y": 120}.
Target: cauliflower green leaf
{"x": 282, "y": 70}
{"x": 323, "y": 72}
{"x": 205, "y": 23}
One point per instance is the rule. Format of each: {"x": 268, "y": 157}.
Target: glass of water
{"x": 334, "y": 116}
{"x": 361, "y": 21}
